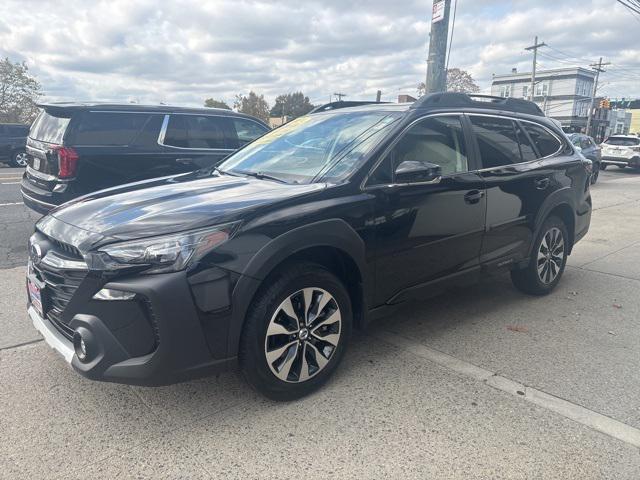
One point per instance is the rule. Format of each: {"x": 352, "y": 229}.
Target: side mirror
{"x": 411, "y": 171}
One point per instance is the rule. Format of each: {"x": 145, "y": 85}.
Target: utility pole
{"x": 436, "y": 80}
{"x": 598, "y": 68}
{"x": 378, "y": 96}
{"x": 535, "y": 48}
{"x": 339, "y": 95}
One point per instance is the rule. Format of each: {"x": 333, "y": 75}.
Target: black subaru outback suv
{"x": 77, "y": 148}
{"x": 271, "y": 259}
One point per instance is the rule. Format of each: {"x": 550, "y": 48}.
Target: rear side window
{"x": 247, "y": 130}
{"x": 623, "y": 141}
{"x": 497, "y": 140}
{"x": 544, "y": 140}
{"x": 195, "y": 131}
{"x": 97, "y": 128}
{"x": 49, "y": 128}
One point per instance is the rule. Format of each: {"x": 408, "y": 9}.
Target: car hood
{"x": 162, "y": 206}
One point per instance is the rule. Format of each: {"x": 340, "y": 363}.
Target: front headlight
{"x": 167, "y": 253}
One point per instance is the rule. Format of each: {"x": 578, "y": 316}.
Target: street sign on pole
{"x": 438, "y": 11}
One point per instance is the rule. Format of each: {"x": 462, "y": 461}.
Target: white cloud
{"x": 184, "y": 51}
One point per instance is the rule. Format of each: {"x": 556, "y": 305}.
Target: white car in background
{"x": 622, "y": 151}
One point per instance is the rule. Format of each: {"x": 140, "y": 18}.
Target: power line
{"x": 535, "y": 48}
{"x": 453, "y": 25}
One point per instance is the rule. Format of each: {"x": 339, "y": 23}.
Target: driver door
{"x": 427, "y": 231}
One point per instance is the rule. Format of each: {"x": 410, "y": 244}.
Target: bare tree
{"x": 457, "y": 81}
{"x": 252, "y": 104}
{"x": 19, "y": 93}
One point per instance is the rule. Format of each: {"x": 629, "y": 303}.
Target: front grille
{"x": 60, "y": 284}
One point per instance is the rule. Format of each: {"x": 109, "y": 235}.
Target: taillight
{"x": 67, "y": 162}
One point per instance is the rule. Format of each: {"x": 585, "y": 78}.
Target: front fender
{"x": 335, "y": 233}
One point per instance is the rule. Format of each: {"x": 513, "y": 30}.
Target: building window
{"x": 505, "y": 91}
{"x": 525, "y": 91}
{"x": 542, "y": 89}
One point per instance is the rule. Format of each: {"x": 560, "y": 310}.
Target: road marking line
{"x": 10, "y": 183}
{"x": 11, "y": 178}
{"x": 567, "y": 409}
{"x": 8, "y": 204}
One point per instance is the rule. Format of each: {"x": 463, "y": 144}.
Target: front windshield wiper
{"x": 223, "y": 172}
{"x": 261, "y": 176}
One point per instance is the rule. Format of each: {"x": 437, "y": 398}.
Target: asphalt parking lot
{"x": 481, "y": 383}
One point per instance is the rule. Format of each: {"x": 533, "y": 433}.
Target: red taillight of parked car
{"x": 67, "y": 162}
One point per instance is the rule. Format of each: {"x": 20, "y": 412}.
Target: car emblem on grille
{"x": 35, "y": 253}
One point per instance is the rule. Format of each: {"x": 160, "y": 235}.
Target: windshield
{"x": 312, "y": 145}
{"x": 623, "y": 142}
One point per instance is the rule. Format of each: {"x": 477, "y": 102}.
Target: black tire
{"x": 596, "y": 173}
{"x": 528, "y": 279}
{"x": 18, "y": 159}
{"x": 288, "y": 284}
{"x": 603, "y": 166}
{"x": 621, "y": 167}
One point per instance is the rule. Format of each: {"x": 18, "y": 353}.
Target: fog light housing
{"x": 80, "y": 347}
{"x": 111, "y": 294}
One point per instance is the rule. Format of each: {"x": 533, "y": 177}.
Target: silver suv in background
{"x": 622, "y": 151}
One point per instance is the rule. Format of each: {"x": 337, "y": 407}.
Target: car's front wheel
{"x": 19, "y": 159}
{"x": 548, "y": 260}
{"x": 296, "y": 332}
{"x": 595, "y": 173}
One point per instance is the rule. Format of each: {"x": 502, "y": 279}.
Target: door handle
{"x": 184, "y": 161}
{"x": 542, "y": 183}
{"x": 473, "y": 196}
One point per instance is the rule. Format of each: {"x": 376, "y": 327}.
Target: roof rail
{"x": 343, "y": 104}
{"x": 455, "y": 99}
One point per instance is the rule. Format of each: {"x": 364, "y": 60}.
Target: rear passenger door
{"x": 195, "y": 141}
{"x": 516, "y": 187}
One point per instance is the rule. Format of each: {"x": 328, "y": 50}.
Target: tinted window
{"x": 247, "y": 130}
{"x": 546, "y": 142}
{"x": 176, "y": 134}
{"x": 18, "y": 130}
{"x": 49, "y": 128}
{"x": 108, "y": 128}
{"x": 526, "y": 149}
{"x": 205, "y": 132}
{"x": 437, "y": 140}
{"x": 623, "y": 141}
{"x": 497, "y": 141}
{"x": 195, "y": 131}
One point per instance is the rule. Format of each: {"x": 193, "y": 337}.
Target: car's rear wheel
{"x": 603, "y": 166}
{"x": 19, "y": 159}
{"x": 548, "y": 260}
{"x": 296, "y": 332}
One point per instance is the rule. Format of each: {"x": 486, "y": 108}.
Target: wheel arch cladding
{"x": 565, "y": 213}
{"x": 331, "y": 243}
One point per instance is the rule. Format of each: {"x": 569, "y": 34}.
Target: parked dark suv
{"x": 308, "y": 232}
{"x": 75, "y": 149}
{"x": 13, "y": 141}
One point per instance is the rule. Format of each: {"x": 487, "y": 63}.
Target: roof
{"x": 542, "y": 74}
{"x": 135, "y": 107}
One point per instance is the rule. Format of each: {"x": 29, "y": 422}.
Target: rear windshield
{"x": 623, "y": 142}
{"x": 49, "y": 128}
{"x": 106, "y": 128}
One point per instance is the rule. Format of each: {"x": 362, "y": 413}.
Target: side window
{"x": 247, "y": 130}
{"x": 437, "y": 140}
{"x": 526, "y": 149}
{"x": 176, "y": 134}
{"x": 205, "y": 131}
{"x": 497, "y": 141}
{"x": 547, "y": 143}
{"x": 97, "y": 128}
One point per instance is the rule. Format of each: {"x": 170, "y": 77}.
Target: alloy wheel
{"x": 21, "y": 159}
{"x": 550, "y": 255}
{"x": 303, "y": 335}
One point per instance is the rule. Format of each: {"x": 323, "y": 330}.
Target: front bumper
{"x": 129, "y": 350}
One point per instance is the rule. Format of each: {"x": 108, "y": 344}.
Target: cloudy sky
{"x": 184, "y": 51}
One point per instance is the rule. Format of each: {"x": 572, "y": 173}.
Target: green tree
{"x": 213, "y": 103}
{"x": 457, "y": 81}
{"x": 19, "y": 93}
{"x": 292, "y": 105}
{"x": 252, "y": 104}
